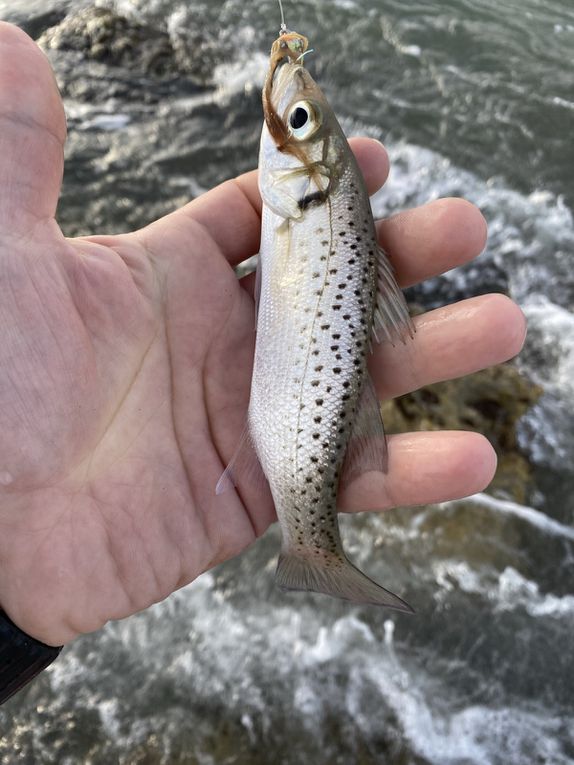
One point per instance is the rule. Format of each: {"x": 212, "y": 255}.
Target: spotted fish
{"x": 325, "y": 292}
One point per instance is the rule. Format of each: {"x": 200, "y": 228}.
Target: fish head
{"x": 303, "y": 150}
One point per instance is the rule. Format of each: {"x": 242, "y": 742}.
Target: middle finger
{"x": 450, "y": 342}
{"x": 427, "y": 240}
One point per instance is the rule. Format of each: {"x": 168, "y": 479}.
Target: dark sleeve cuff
{"x": 21, "y": 657}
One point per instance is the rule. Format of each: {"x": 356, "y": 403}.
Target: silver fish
{"x": 325, "y": 291}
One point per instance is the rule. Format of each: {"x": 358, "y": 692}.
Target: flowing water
{"x": 473, "y": 99}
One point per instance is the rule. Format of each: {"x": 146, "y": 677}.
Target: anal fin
{"x": 367, "y": 446}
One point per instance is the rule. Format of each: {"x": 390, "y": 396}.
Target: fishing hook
{"x": 305, "y": 53}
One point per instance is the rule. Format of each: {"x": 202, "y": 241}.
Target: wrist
{"x": 37, "y": 617}
{"x": 22, "y": 657}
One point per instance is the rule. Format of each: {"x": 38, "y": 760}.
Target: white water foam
{"x": 529, "y": 514}
{"x": 515, "y": 591}
{"x": 249, "y": 660}
{"x": 475, "y": 735}
{"x": 243, "y": 76}
{"x": 507, "y": 590}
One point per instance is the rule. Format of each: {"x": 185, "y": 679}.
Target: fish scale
{"x": 313, "y": 334}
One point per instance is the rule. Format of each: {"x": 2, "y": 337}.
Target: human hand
{"x": 125, "y": 365}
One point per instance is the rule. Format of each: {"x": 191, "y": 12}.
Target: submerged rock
{"x": 490, "y": 402}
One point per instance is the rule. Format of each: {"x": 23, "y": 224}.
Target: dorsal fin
{"x": 391, "y": 313}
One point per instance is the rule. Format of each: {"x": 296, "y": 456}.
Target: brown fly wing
{"x": 367, "y": 447}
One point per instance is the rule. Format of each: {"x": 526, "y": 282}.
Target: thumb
{"x": 32, "y": 134}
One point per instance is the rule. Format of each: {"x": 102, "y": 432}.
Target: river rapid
{"x": 472, "y": 99}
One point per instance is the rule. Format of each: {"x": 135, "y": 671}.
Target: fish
{"x": 325, "y": 292}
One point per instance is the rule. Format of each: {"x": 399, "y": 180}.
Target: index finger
{"x": 432, "y": 239}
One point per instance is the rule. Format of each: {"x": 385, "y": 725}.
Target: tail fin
{"x": 341, "y": 580}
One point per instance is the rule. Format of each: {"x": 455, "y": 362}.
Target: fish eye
{"x": 298, "y": 118}
{"x": 303, "y": 120}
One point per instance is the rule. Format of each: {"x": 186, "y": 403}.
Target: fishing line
{"x": 283, "y": 29}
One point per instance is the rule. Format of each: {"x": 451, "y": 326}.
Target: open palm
{"x": 125, "y": 367}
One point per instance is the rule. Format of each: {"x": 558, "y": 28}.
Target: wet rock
{"x": 489, "y": 402}
{"x": 99, "y": 55}
{"x": 190, "y": 47}
{"x": 101, "y": 35}
{"x": 479, "y": 277}
{"x": 35, "y": 25}
{"x": 199, "y": 47}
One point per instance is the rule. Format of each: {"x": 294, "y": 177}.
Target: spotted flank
{"x": 325, "y": 293}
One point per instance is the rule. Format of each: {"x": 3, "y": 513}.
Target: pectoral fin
{"x": 244, "y": 467}
{"x": 289, "y": 191}
{"x": 257, "y": 288}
